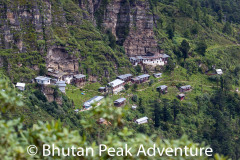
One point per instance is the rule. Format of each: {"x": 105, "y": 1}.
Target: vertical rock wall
{"x": 140, "y": 40}
{"x": 42, "y": 29}
{"x": 29, "y": 26}
{"x": 132, "y": 24}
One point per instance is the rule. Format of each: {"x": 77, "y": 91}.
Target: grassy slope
{"x": 149, "y": 92}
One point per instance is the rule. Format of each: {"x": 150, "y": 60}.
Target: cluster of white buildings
{"x": 78, "y": 79}
{"x": 42, "y": 80}
{"x": 60, "y": 79}
{"x": 117, "y": 85}
{"x": 155, "y": 60}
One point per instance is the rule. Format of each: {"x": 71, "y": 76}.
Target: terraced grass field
{"x": 199, "y": 82}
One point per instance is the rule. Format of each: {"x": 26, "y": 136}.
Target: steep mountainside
{"x": 57, "y": 34}
{"x": 132, "y": 24}
{"x": 92, "y": 36}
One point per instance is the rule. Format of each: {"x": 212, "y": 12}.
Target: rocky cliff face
{"x": 49, "y": 93}
{"x": 132, "y": 24}
{"x": 58, "y": 59}
{"x": 63, "y": 35}
{"x": 38, "y": 26}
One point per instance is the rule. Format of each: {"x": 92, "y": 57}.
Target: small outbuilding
{"x": 76, "y": 110}
{"x": 102, "y": 89}
{"x": 20, "y": 86}
{"x": 142, "y": 120}
{"x": 181, "y": 96}
{"x": 162, "y": 89}
{"x": 88, "y": 104}
{"x": 157, "y": 75}
{"x": 219, "y": 71}
{"x": 185, "y": 88}
{"x": 134, "y": 107}
{"x": 119, "y": 102}
{"x": 61, "y": 85}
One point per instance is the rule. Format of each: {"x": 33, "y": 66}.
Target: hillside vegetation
{"x": 16, "y": 139}
{"x": 199, "y": 35}
{"x": 68, "y": 28}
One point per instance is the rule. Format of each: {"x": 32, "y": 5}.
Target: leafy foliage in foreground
{"x": 14, "y": 139}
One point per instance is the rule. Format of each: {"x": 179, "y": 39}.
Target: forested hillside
{"x": 96, "y": 38}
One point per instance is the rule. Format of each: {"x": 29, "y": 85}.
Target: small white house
{"x": 20, "y": 86}
{"x": 76, "y": 110}
{"x": 219, "y": 71}
{"x": 157, "y": 75}
{"x": 134, "y": 107}
{"x": 43, "y": 80}
{"x": 142, "y": 120}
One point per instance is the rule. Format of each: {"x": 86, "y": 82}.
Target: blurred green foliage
{"x": 14, "y": 139}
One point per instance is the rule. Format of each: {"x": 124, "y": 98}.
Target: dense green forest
{"x": 199, "y": 35}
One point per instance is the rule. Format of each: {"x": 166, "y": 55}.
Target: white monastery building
{"x": 155, "y": 60}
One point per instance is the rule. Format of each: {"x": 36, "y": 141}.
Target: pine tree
{"x": 157, "y": 113}
{"x": 176, "y": 106}
{"x": 185, "y": 48}
{"x": 141, "y": 108}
